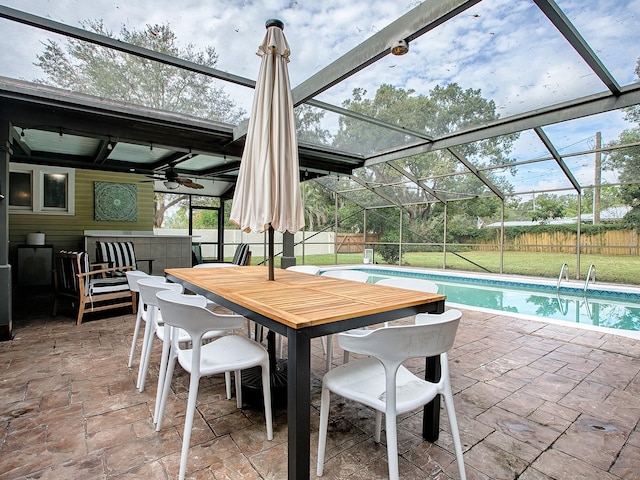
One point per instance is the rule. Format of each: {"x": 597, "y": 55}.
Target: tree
{"x": 546, "y": 207}
{"x": 632, "y": 114}
{"x": 163, "y": 202}
{"x": 104, "y": 72}
{"x": 627, "y": 162}
{"x": 444, "y": 110}
{"x": 318, "y": 205}
{"x": 309, "y": 125}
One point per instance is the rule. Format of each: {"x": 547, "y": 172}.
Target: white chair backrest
{"x": 410, "y": 284}
{"x": 393, "y": 345}
{"x": 152, "y": 285}
{"x": 427, "y": 318}
{"x": 347, "y": 274}
{"x": 214, "y": 265}
{"x": 185, "y": 312}
{"x": 132, "y": 278}
{"x": 310, "y": 269}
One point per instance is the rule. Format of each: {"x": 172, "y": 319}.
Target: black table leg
{"x": 299, "y": 403}
{"x": 431, "y": 414}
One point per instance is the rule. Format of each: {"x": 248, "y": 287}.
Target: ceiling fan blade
{"x": 191, "y": 184}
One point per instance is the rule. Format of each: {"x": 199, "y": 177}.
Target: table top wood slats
{"x": 300, "y": 300}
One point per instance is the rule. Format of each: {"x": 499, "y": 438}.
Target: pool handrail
{"x": 564, "y": 268}
{"x": 591, "y": 272}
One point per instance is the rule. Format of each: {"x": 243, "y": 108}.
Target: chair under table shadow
{"x": 310, "y": 269}
{"x": 417, "y": 284}
{"x": 226, "y": 353}
{"x": 344, "y": 274}
{"x": 382, "y": 383}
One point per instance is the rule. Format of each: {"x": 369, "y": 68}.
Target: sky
{"x": 506, "y": 48}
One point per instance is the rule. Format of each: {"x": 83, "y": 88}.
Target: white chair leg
{"x": 392, "y": 446}
{"x": 322, "y": 430}
{"x": 453, "y": 423}
{"x": 147, "y": 341}
{"x": 136, "y": 331}
{"x": 144, "y": 362}
{"x": 238, "y": 378}
{"x": 280, "y": 345}
{"x": 188, "y": 423}
{"x": 376, "y": 434}
{"x": 227, "y": 383}
{"x": 142, "y": 350}
{"x": 266, "y": 392}
{"x": 329, "y": 351}
{"x": 164, "y": 359}
{"x": 166, "y": 386}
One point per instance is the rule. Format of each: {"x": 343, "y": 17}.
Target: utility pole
{"x": 597, "y": 180}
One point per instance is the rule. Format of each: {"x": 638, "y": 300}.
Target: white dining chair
{"x": 227, "y": 353}
{"x": 381, "y": 382}
{"x": 344, "y": 274}
{"x": 258, "y": 327}
{"x": 214, "y": 265}
{"x": 141, "y": 314}
{"x": 310, "y": 269}
{"x": 417, "y": 284}
{"x": 148, "y": 289}
{"x": 155, "y": 327}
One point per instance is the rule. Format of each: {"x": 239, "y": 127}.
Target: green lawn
{"x": 623, "y": 269}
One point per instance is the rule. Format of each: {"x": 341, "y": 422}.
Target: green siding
{"x": 66, "y": 232}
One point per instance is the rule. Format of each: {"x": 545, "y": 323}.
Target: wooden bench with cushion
{"x": 89, "y": 284}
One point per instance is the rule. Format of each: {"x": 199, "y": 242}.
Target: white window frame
{"x": 37, "y": 189}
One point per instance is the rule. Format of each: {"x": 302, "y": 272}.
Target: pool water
{"x": 599, "y": 307}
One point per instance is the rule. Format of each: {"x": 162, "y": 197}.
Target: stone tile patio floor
{"x": 534, "y": 401}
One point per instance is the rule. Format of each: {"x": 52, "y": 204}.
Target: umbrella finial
{"x": 274, "y": 22}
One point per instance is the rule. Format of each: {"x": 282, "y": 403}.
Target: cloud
{"x": 509, "y": 50}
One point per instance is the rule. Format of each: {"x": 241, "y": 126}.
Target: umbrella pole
{"x": 271, "y": 253}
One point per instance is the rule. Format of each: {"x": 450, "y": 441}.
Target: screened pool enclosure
{"x": 494, "y": 110}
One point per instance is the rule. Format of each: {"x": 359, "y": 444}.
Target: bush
{"x": 389, "y": 248}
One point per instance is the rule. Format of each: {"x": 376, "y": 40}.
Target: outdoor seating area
{"x": 358, "y": 195}
{"x": 532, "y": 400}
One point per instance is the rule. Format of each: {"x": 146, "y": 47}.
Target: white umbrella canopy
{"x": 267, "y": 192}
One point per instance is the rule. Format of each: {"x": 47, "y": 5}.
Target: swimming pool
{"x": 604, "y": 306}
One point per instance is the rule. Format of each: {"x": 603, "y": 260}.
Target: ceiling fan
{"x": 172, "y": 180}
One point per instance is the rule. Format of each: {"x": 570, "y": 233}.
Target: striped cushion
{"x": 108, "y": 285}
{"x": 116, "y": 254}
{"x": 242, "y": 254}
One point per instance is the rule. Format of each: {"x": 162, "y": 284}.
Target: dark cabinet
{"x": 35, "y": 263}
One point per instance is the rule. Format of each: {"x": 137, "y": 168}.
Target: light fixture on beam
{"x": 171, "y": 185}
{"x": 401, "y": 47}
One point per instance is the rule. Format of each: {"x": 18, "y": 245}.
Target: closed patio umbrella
{"x": 267, "y": 195}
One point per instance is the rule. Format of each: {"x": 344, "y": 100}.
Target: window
{"x": 41, "y": 189}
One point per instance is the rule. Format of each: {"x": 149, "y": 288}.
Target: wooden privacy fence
{"x": 354, "y": 242}
{"x": 609, "y": 242}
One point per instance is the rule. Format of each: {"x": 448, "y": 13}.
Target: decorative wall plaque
{"x": 116, "y": 202}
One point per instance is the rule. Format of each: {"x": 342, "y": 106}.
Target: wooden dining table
{"x": 301, "y": 307}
